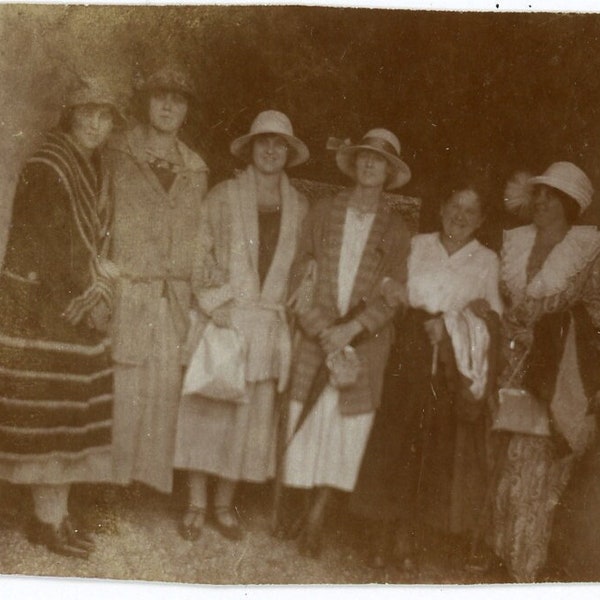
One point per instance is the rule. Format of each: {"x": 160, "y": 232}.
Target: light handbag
{"x": 217, "y": 368}
{"x": 344, "y": 367}
{"x": 520, "y": 412}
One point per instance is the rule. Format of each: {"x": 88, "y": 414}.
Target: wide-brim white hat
{"x": 275, "y": 123}
{"x": 383, "y": 142}
{"x": 569, "y": 179}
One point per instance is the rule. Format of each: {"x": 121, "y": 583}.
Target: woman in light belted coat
{"x": 159, "y": 184}
{"x": 247, "y": 242}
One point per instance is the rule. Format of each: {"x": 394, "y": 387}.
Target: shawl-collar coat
{"x": 385, "y": 255}
{"x": 226, "y": 270}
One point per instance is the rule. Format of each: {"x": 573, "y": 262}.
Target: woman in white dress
{"x": 246, "y": 245}
{"x": 356, "y": 241}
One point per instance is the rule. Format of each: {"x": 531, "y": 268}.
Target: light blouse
{"x": 439, "y": 282}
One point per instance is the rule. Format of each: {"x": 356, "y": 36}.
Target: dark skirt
{"x": 56, "y": 392}
{"x": 422, "y": 463}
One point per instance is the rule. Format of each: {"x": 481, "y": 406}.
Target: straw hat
{"x": 95, "y": 90}
{"x": 383, "y": 142}
{"x": 568, "y": 178}
{"x": 272, "y": 122}
{"x": 172, "y": 79}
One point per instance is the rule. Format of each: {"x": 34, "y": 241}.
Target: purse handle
{"x": 518, "y": 367}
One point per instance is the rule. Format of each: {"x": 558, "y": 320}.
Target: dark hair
{"x": 65, "y": 121}
{"x": 479, "y": 187}
{"x": 140, "y": 105}
{"x": 570, "y": 206}
{"x": 246, "y": 152}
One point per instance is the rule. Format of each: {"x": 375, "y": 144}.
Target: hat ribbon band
{"x": 379, "y": 144}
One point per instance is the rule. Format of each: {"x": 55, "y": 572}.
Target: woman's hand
{"x": 394, "y": 293}
{"x": 99, "y": 317}
{"x": 435, "y": 330}
{"x": 480, "y": 307}
{"x": 339, "y": 336}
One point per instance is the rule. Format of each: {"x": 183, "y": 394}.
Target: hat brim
{"x": 239, "y": 147}
{"x": 560, "y": 185}
{"x": 345, "y": 158}
{"x": 120, "y": 118}
{"x": 189, "y": 93}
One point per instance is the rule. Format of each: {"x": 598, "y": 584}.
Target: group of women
{"x": 443, "y": 388}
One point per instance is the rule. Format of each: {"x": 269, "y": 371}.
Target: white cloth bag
{"x": 217, "y": 367}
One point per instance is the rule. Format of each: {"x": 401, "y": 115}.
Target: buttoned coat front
{"x": 385, "y": 255}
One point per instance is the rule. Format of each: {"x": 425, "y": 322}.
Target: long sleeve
{"x": 591, "y": 294}
{"x": 43, "y": 244}
{"x": 210, "y": 274}
{"x": 319, "y": 317}
{"x": 492, "y": 286}
{"x": 377, "y": 312}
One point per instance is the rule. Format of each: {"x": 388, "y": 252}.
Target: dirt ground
{"x": 141, "y": 543}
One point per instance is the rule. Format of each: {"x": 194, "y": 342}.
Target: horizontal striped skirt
{"x": 55, "y": 410}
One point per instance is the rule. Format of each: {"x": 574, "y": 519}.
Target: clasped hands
{"x": 337, "y": 337}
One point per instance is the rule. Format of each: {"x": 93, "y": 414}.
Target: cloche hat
{"x": 95, "y": 90}
{"x": 383, "y": 142}
{"x": 272, "y": 122}
{"x": 170, "y": 78}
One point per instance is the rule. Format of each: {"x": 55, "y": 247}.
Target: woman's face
{"x": 548, "y": 210}
{"x": 372, "y": 169}
{"x": 269, "y": 154}
{"x": 91, "y": 124}
{"x": 461, "y": 215}
{"x": 167, "y": 111}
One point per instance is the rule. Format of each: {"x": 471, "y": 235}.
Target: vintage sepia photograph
{"x": 299, "y": 295}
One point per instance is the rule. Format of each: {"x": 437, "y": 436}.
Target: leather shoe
{"x": 232, "y": 530}
{"x": 59, "y": 540}
{"x": 192, "y": 522}
{"x": 76, "y": 535}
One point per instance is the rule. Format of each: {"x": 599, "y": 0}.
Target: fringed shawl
{"x": 90, "y": 209}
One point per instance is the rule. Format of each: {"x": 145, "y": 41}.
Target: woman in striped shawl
{"x": 55, "y": 295}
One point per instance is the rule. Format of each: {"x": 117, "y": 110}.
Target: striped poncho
{"x": 55, "y": 370}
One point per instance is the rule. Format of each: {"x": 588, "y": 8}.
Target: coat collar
{"x": 370, "y": 259}
{"x": 245, "y": 203}
{"x": 134, "y": 143}
{"x": 569, "y": 257}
